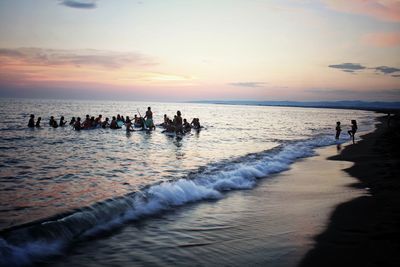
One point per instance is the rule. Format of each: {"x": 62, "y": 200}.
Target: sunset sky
{"x": 176, "y": 50}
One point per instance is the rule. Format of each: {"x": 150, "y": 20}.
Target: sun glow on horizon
{"x": 227, "y": 49}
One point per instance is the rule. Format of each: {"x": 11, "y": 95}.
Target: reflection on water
{"x": 339, "y": 147}
{"x": 47, "y": 171}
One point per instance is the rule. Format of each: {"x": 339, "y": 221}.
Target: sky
{"x": 182, "y": 50}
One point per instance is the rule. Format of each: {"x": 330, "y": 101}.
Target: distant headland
{"x": 356, "y": 104}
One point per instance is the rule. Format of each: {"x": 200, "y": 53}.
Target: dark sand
{"x": 366, "y": 230}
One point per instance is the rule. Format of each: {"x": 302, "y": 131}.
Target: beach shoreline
{"x": 272, "y": 224}
{"x": 365, "y": 231}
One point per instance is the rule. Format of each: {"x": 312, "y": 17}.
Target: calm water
{"x": 96, "y": 180}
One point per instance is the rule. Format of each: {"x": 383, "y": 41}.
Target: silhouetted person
{"x": 114, "y": 124}
{"x": 186, "y": 126}
{"x": 105, "y": 123}
{"x": 54, "y": 124}
{"x": 77, "y": 124}
{"x": 38, "y": 122}
{"x": 178, "y": 122}
{"x": 149, "y": 119}
{"x": 31, "y": 122}
{"x": 338, "y": 130}
{"x": 196, "y": 123}
{"x": 51, "y": 121}
{"x": 128, "y": 124}
{"x": 353, "y": 130}
{"x": 98, "y": 120}
{"x": 62, "y": 121}
{"x": 92, "y": 122}
{"x": 72, "y": 122}
{"x": 87, "y": 123}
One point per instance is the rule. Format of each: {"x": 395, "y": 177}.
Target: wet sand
{"x": 366, "y": 230}
{"x": 270, "y": 225}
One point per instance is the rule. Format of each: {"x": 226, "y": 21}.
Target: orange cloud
{"x": 76, "y": 58}
{"x": 87, "y": 66}
{"x": 386, "y": 10}
{"x": 382, "y": 39}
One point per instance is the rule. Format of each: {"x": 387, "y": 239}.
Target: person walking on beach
{"x": 31, "y": 122}
{"x": 353, "y": 130}
{"x": 338, "y": 130}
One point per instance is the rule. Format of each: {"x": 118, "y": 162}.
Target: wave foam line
{"x": 24, "y": 246}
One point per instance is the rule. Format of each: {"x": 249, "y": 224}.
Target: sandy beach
{"x": 366, "y": 230}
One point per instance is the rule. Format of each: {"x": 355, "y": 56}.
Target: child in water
{"x": 38, "y": 122}
{"x": 353, "y": 130}
{"x": 338, "y": 130}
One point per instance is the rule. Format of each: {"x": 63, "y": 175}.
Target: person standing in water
{"x": 353, "y": 130}
{"x": 186, "y": 126}
{"x": 51, "y": 121}
{"x": 338, "y": 130}
{"x": 128, "y": 124}
{"x": 105, "y": 124}
{"x": 31, "y": 122}
{"x": 114, "y": 124}
{"x": 38, "y": 122}
{"x": 62, "y": 121}
{"x": 77, "y": 124}
{"x": 72, "y": 122}
{"x": 178, "y": 122}
{"x": 97, "y": 121}
{"x": 149, "y": 119}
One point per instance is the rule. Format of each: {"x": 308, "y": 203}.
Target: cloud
{"x": 27, "y": 67}
{"x": 386, "y": 70}
{"x": 396, "y": 75}
{"x": 10, "y": 52}
{"x": 81, "y": 4}
{"x": 77, "y": 58}
{"x": 348, "y": 67}
{"x": 382, "y": 39}
{"x": 386, "y": 10}
{"x": 354, "y": 67}
{"x": 248, "y": 84}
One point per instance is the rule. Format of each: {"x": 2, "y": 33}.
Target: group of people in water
{"x": 351, "y": 132}
{"x": 177, "y": 125}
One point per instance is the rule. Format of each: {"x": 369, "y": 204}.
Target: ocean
{"x": 60, "y": 188}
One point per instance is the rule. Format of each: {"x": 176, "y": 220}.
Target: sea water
{"x": 58, "y": 185}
